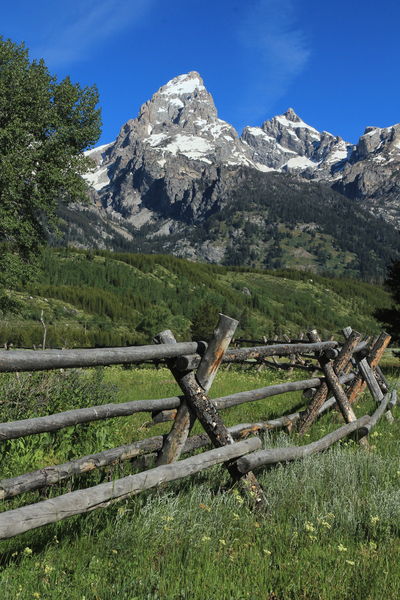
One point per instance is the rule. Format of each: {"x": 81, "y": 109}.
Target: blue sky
{"x": 336, "y": 63}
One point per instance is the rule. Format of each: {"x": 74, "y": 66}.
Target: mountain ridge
{"x": 177, "y": 164}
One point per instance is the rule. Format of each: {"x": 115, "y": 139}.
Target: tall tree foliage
{"x": 390, "y": 317}
{"x": 45, "y": 126}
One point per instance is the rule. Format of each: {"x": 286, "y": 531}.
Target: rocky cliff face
{"x": 165, "y": 163}
{"x": 177, "y": 167}
{"x": 287, "y": 143}
{"x": 372, "y": 175}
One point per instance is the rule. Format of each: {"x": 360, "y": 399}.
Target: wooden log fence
{"x": 346, "y": 369}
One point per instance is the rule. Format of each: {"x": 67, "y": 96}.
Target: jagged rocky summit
{"x": 177, "y": 172}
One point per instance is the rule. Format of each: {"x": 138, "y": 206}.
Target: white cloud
{"x": 78, "y": 28}
{"x": 276, "y": 50}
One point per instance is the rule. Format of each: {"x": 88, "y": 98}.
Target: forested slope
{"x": 88, "y": 298}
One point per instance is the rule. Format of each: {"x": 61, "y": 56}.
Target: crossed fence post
{"x": 196, "y": 403}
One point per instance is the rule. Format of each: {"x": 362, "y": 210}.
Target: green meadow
{"x": 330, "y": 532}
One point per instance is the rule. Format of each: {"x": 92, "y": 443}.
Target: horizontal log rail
{"x": 54, "y": 422}
{"x": 44, "y": 360}
{"x": 29, "y": 517}
{"x": 274, "y": 456}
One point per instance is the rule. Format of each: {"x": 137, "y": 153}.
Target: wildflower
{"x": 222, "y": 542}
{"x": 205, "y": 538}
{"x": 237, "y": 496}
{"x": 309, "y": 527}
{"x": 267, "y": 552}
{"x": 350, "y": 562}
{"x": 374, "y": 520}
{"x": 312, "y": 538}
{"x": 114, "y": 551}
{"x": 236, "y": 516}
{"x": 342, "y": 548}
{"x": 374, "y": 434}
{"x": 326, "y": 524}
{"x": 168, "y": 518}
{"x": 36, "y": 595}
{"x": 28, "y": 551}
{"x": 257, "y": 525}
{"x": 48, "y": 569}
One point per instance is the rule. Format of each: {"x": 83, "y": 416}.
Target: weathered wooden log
{"x": 234, "y": 354}
{"x": 262, "y": 393}
{"x": 382, "y": 408}
{"x": 16, "y": 429}
{"x": 381, "y": 379}
{"x": 184, "y": 418}
{"x": 56, "y": 473}
{"x": 281, "y": 455}
{"x": 199, "y": 402}
{"x": 238, "y": 355}
{"x": 216, "y": 350}
{"x": 340, "y": 395}
{"x": 289, "y": 366}
{"x": 321, "y": 394}
{"x": 391, "y": 405}
{"x": 29, "y": 517}
{"x": 393, "y": 400}
{"x": 265, "y": 392}
{"x": 33, "y": 360}
{"x": 205, "y": 375}
{"x": 374, "y": 356}
{"x": 265, "y": 341}
{"x": 162, "y": 417}
{"x": 35, "y": 425}
{"x": 370, "y": 379}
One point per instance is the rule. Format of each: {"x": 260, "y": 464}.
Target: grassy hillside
{"x": 100, "y": 298}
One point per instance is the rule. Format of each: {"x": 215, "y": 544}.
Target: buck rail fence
{"x": 345, "y": 369}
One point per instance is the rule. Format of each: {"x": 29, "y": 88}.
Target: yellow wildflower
{"x": 222, "y": 542}
{"x": 28, "y": 551}
{"x": 374, "y": 520}
{"x": 205, "y": 538}
{"x": 350, "y": 562}
{"x": 48, "y": 569}
{"x": 267, "y": 552}
{"x": 342, "y": 548}
{"x": 309, "y": 527}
